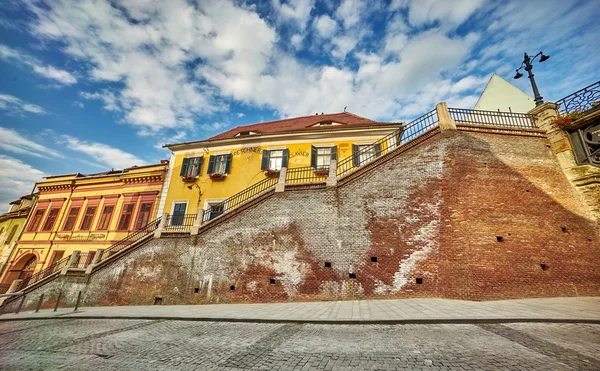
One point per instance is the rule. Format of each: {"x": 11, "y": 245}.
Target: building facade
{"x": 84, "y": 213}
{"x": 11, "y": 226}
{"x": 204, "y": 174}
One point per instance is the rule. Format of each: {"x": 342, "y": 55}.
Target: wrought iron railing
{"x": 496, "y": 118}
{"x": 131, "y": 239}
{"x": 179, "y": 223}
{"x": 581, "y": 100}
{"x": 306, "y": 174}
{"x": 85, "y": 258}
{"x": 49, "y": 271}
{"x": 388, "y": 143}
{"x": 4, "y": 287}
{"x": 239, "y": 198}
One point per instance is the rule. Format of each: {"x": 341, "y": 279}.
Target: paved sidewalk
{"x": 582, "y": 309}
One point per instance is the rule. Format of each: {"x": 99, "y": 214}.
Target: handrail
{"x": 239, "y": 198}
{"x": 52, "y": 269}
{"x": 496, "y": 118}
{"x": 179, "y": 223}
{"x": 306, "y": 174}
{"x": 130, "y": 239}
{"x": 581, "y": 100}
{"x": 388, "y": 143}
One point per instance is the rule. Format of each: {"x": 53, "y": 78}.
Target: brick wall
{"x": 430, "y": 217}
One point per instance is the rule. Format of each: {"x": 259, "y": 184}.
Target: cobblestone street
{"x": 86, "y": 344}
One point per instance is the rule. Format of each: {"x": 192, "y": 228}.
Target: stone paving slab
{"x": 581, "y": 309}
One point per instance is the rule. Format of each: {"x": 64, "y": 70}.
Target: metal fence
{"x": 132, "y": 238}
{"x": 581, "y": 100}
{"x": 239, "y": 198}
{"x": 51, "y": 270}
{"x": 85, "y": 258}
{"x": 388, "y": 143}
{"x": 497, "y": 118}
{"x": 179, "y": 223}
{"x": 307, "y": 174}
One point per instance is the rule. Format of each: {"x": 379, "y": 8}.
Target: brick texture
{"x": 431, "y": 218}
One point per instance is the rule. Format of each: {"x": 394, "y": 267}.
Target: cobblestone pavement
{"x": 98, "y": 345}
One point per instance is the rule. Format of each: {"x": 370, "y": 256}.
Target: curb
{"x": 424, "y": 321}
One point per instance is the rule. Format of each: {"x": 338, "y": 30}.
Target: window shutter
{"x": 334, "y": 153}
{"x": 184, "y": 167}
{"x": 355, "y": 155}
{"x": 377, "y": 149}
{"x": 211, "y": 164}
{"x": 313, "y": 157}
{"x": 199, "y": 168}
{"x": 284, "y": 160}
{"x": 265, "y": 160}
{"x": 228, "y": 164}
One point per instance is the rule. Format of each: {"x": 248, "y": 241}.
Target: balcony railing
{"x": 85, "y": 258}
{"x": 388, "y": 143}
{"x": 579, "y": 101}
{"x": 496, "y": 118}
{"x": 129, "y": 240}
{"x": 306, "y": 174}
{"x": 51, "y": 270}
{"x": 239, "y": 198}
{"x": 179, "y": 223}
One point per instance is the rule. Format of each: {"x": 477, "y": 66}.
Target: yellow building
{"x": 77, "y": 212}
{"x": 204, "y": 174}
{"x": 11, "y": 226}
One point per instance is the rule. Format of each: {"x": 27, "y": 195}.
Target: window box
{"x": 271, "y": 173}
{"x": 189, "y": 179}
{"x": 217, "y": 176}
{"x": 322, "y": 171}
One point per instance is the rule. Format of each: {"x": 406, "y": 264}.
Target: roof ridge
{"x": 295, "y": 118}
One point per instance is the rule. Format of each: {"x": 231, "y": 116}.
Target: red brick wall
{"x": 432, "y": 213}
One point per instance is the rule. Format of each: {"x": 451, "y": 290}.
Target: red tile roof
{"x": 299, "y": 124}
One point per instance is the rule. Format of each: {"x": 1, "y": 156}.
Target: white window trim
{"x": 221, "y": 153}
{"x": 278, "y": 148}
{"x": 207, "y": 204}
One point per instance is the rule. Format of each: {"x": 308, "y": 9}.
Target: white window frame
{"x": 275, "y": 162}
{"x": 327, "y": 157}
{"x": 220, "y": 166}
{"x": 208, "y": 203}
{"x": 363, "y": 158}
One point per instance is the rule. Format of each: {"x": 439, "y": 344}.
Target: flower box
{"x": 563, "y": 121}
{"x": 189, "y": 179}
{"x": 217, "y": 176}
{"x": 271, "y": 173}
{"x": 321, "y": 171}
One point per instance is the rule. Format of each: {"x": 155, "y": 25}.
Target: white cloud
{"x": 452, "y": 13}
{"x": 241, "y": 114}
{"x": 12, "y": 141}
{"x": 350, "y": 12}
{"x": 112, "y": 157}
{"x": 16, "y": 106}
{"x": 325, "y": 26}
{"x": 297, "y": 11}
{"x": 17, "y": 180}
{"x": 106, "y": 96}
{"x": 20, "y": 58}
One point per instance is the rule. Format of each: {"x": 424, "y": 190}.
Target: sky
{"x": 92, "y": 85}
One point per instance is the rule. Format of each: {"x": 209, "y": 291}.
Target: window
{"x": 50, "y": 219}
{"x": 191, "y": 167}
{"x": 143, "y": 215}
{"x": 215, "y": 209}
{"x": 56, "y": 256}
{"x": 86, "y": 223}
{"x": 105, "y": 217}
{"x": 36, "y": 220}
{"x": 361, "y": 154}
{"x": 178, "y": 213}
{"x": 71, "y": 218}
{"x": 125, "y": 219}
{"x": 321, "y": 156}
{"x": 90, "y": 257}
{"x": 219, "y": 164}
{"x": 274, "y": 159}
{"x": 12, "y": 233}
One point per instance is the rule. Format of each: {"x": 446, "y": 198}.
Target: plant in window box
{"x": 271, "y": 173}
{"x": 563, "y": 121}
{"x": 189, "y": 178}
{"x": 321, "y": 171}
{"x": 217, "y": 176}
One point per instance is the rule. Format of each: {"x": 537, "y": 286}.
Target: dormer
{"x": 326, "y": 123}
{"x": 245, "y": 133}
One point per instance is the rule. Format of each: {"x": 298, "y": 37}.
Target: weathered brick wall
{"x": 430, "y": 217}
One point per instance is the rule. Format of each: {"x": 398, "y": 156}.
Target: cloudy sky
{"x": 90, "y": 85}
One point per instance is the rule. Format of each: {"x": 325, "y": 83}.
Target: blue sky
{"x": 90, "y": 85}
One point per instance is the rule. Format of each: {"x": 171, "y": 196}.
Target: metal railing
{"x": 4, "y": 287}
{"x": 85, "y": 258}
{"x": 306, "y": 174}
{"x": 131, "y": 239}
{"x": 179, "y": 223}
{"x": 497, "y": 118}
{"x": 49, "y": 271}
{"x": 581, "y": 100}
{"x": 239, "y": 198}
{"x": 388, "y": 143}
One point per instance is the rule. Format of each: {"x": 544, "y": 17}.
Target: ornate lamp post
{"x": 526, "y": 64}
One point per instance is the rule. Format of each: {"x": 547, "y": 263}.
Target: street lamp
{"x": 526, "y": 64}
